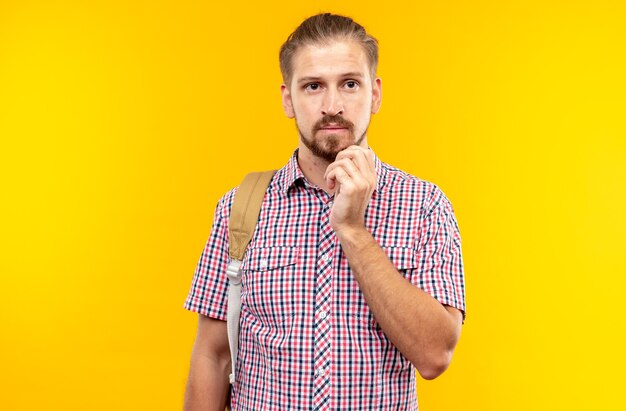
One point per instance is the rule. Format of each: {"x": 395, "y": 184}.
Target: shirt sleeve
{"x": 209, "y": 288}
{"x": 440, "y": 261}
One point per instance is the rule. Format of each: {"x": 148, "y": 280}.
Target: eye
{"x": 312, "y": 87}
{"x": 352, "y": 85}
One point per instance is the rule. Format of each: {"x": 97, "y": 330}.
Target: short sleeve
{"x": 440, "y": 261}
{"x": 209, "y": 288}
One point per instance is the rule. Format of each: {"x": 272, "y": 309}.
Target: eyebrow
{"x": 353, "y": 74}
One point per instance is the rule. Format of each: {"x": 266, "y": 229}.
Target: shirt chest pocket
{"x": 404, "y": 259}
{"x": 270, "y": 283}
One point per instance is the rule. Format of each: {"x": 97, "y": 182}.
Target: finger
{"x": 363, "y": 158}
{"x": 360, "y": 158}
{"x": 349, "y": 166}
{"x": 341, "y": 178}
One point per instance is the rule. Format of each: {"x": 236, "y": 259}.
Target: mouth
{"x": 332, "y": 127}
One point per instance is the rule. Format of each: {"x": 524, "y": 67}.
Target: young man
{"x": 354, "y": 276}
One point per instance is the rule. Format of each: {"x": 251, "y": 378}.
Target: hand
{"x": 352, "y": 176}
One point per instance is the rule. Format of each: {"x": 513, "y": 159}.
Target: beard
{"x": 331, "y": 145}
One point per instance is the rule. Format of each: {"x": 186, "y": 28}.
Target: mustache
{"x": 334, "y": 120}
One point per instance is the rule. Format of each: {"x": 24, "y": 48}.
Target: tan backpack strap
{"x": 245, "y": 210}
{"x": 244, "y": 216}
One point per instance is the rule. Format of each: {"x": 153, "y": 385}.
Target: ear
{"x": 287, "y": 103}
{"x": 377, "y": 95}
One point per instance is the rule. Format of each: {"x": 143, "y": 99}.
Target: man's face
{"x": 332, "y": 97}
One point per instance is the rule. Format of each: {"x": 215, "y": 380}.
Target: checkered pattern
{"x": 307, "y": 338}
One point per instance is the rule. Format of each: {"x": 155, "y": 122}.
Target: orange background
{"x": 122, "y": 123}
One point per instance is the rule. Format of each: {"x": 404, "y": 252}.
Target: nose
{"x": 332, "y": 104}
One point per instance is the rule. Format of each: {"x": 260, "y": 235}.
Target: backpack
{"x": 244, "y": 215}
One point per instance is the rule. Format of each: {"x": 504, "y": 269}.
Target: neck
{"x": 313, "y": 168}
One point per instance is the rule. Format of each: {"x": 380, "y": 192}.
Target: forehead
{"x": 332, "y": 59}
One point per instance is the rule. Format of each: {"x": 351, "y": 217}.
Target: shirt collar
{"x": 291, "y": 173}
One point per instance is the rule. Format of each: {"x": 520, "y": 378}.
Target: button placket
{"x": 323, "y": 299}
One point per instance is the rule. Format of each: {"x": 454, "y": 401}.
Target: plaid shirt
{"x": 308, "y": 339}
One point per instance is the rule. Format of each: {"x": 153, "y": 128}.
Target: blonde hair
{"x": 323, "y": 29}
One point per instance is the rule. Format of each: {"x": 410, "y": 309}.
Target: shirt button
{"x": 323, "y": 314}
{"x": 263, "y": 263}
{"x": 321, "y": 372}
{"x": 325, "y": 257}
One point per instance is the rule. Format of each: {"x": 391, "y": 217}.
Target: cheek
{"x": 364, "y": 111}
{"x": 305, "y": 116}
{"x": 299, "y": 110}
{"x": 303, "y": 122}
{"x": 361, "y": 104}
